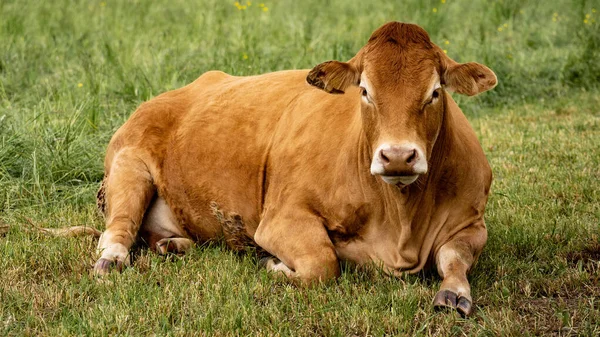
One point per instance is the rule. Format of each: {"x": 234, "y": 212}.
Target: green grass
{"x": 72, "y": 72}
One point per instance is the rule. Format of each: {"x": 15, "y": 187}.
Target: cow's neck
{"x": 407, "y": 213}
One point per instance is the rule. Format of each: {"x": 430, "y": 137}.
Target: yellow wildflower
{"x": 248, "y": 3}
{"x": 265, "y": 9}
{"x": 446, "y": 42}
{"x": 103, "y": 4}
{"x": 443, "y": 1}
{"x": 499, "y": 29}
{"x": 554, "y": 19}
{"x": 506, "y": 25}
{"x": 585, "y": 21}
{"x": 245, "y": 56}
{"x": 587, "y": 16}
{"x": 445, "y": 51}
{"x": 79, "y": 85}
{"x": 261, "y": 5}
{"x": 434, "y": 10}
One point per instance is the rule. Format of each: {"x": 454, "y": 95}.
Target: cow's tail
{"x": 67, "y": 232}
{"x": 72, "y": 231}
{"x": 101, "y": 197}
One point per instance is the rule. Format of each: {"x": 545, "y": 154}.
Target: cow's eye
{"x": 365, "y": 94}
{"x": 434, "y": 96}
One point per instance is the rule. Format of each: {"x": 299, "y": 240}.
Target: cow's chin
{"x": 400, "y": 180}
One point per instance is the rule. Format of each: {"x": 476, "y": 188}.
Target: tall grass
{"x": 71, "y": 72}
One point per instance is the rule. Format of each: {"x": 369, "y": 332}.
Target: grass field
{"x": 71, "y": 72}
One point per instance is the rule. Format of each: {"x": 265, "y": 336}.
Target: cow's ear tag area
{"x": 469, "y": 78}
{"x": 333, "y": 76}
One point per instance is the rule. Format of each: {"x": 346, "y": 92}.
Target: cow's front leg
{"x": 300, "y": 242}
{"x": 454, "y": 260}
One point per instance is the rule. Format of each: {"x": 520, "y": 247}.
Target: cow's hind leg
{"x": 128, "y": 191}
{"x": 174, "y": 245}
{"x": 301, "y": 245}
{"x": 454, "y": 259}
{"x": 161, "y": 231}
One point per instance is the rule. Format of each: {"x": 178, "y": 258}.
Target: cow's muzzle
{"x": 399, "y": 164}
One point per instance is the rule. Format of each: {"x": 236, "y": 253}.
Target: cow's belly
{"x": 204, "y": 198}
{"x": 209, "y": 179}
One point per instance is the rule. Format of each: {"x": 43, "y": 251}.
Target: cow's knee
{"x": 299, "y": 239}
{"x": 318, "y": 268}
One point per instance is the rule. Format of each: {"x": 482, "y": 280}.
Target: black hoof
{"x": 464, "y": 307}
{"x": 446, "y": 299}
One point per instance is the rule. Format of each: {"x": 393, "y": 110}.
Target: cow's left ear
{"x": 468, "y": 78}
{"x": 334, "y": 76}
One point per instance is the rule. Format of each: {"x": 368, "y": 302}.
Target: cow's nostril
{"x": 412, "y": 157}
{"x": 384, "y": 158}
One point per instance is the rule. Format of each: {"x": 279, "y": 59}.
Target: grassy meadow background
{"x": 71, "y": 72}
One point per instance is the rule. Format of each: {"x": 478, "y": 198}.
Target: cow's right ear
{"x": 334, "y": 76}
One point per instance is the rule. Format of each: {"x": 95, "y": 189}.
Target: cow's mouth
{"x": 400, "y": 180}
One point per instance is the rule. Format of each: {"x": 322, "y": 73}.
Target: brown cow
{"x": 371, "y": 161}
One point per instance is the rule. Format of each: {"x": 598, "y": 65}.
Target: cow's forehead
{"x": 400, "y": 52}
{"x": 402, "y": 34}
{"x": 414, "y": 68}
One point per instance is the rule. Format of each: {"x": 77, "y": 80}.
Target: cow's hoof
{"x": 267, "y": 262}
{"x": 173, "y": 245}
{"x": 162, "y": 247}
{"x": 446, "y": 299}
{"x": 105, "y": 266}
{"x": 464, "y": 306}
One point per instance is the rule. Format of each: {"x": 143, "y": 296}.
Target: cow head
{"x": 402, "y": 78}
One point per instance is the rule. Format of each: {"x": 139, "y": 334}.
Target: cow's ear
{"x": 334, "y": 76}
{"x": 468, "y": 78}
